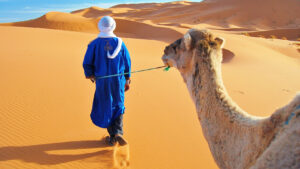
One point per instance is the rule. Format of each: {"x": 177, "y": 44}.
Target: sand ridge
{"x": 270, "y": 15}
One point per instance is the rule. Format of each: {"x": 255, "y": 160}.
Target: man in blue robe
{"x": 108, "y": 55}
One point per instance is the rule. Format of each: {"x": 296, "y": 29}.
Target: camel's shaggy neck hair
{"x": 232, "y": 134}
{"x": 236, "y": 139}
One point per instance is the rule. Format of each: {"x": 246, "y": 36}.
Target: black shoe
{"x": 110, "y": 140}
{"x": 121, "y": 140}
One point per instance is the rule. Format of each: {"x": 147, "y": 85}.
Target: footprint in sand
{"x": 239, "y": 91}
{"x": 121, "y": 157}
{"x": 286, "y": 90}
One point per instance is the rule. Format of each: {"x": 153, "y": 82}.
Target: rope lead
{"x": 137, "y": 71}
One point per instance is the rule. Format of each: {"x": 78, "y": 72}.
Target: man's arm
{"x": 88, "y": 63}
{"x": 127, "y": 67}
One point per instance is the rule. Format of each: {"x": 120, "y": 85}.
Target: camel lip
{"x": 166, "y": 61}
{"x": 167, "y": 64}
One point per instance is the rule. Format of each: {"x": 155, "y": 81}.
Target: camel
{"x": 237, "y": 140}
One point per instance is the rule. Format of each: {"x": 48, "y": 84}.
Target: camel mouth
{"x": 167, "y": 64}
{"x": 166, "y": 61}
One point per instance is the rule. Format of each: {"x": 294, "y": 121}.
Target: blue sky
{"x": 19, "y": 10}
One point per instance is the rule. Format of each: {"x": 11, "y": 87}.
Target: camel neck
{"x": 228, "y": 129}
{"x": 210, "y": 95}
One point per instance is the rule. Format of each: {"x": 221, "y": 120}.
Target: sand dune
{"x": 290, "y": 34}
{"x": 270, "y": 16}
{"x": 61, "y": 21}
{"x": 45, "y": 100}
{"x": 92, "y": 11}
{"x": 125, "y": 28}
{"x": 135, "y": 29}
{"x": 47, "y": 107}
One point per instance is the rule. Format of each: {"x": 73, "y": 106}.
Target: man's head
{"x": 107, "y": 24}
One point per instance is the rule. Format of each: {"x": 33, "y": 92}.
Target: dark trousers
{"x": 116, "y": 126}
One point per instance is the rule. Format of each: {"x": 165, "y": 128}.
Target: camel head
{"x": 183, "y": 53}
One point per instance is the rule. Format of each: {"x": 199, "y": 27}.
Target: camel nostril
{"x": 164, "y": 59}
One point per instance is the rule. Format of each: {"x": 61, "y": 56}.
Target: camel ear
{"x": 186, "y": 41}
{"x": 220, "y": 41}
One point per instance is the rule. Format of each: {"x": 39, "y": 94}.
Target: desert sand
{"x": 45, "y": 100}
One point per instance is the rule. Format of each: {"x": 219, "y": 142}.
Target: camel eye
{"x": 174, "y": 48}
{"x": 212, "y": 43}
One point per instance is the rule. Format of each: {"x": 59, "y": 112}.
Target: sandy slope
{"x": 291, "y": 34}
{"x": 273, "y": 16}
{"x": 61, "y": 21}
{"x": 125, "y": 28}
{"x": 253, "y": 14}
{"x": 45, "y": 106}
{"x": 45, "y": 101}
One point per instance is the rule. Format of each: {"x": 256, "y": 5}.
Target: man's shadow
{"x": 38, "y": 153}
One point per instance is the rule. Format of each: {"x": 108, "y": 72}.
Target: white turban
{"x": 107, "y": 25}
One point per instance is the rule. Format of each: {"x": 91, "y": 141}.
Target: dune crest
{"x": 61, "y": 21}
{"x": 125, "y": 28}
{"x": 290, "y": 34}
{"x": 234, "y": 15}
{"x": 92, "y": 11}
{"x": 268, "y": 14}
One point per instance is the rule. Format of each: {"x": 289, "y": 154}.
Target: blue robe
{"x": 108, "y": 101}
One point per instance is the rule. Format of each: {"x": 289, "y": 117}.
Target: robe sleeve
{"x": 127, "y": 61}
{"x": 88, "y": 62}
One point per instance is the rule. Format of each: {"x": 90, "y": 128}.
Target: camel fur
{"x": 237, "y": 140}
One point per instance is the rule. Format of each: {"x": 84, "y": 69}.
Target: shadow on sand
{"x": 227, "y": 55}
{"x": 111, "y": 156}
